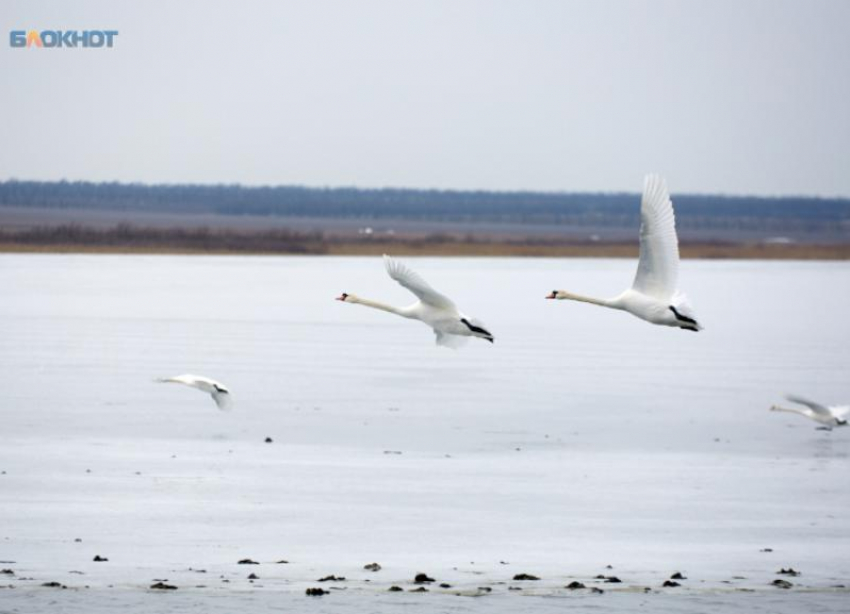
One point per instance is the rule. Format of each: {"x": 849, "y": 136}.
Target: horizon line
{"x": 390, "y": 188}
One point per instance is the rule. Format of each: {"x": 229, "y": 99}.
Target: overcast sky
{"x": 742, "y": 96}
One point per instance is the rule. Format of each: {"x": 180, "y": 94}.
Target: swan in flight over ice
{"x": 654, "y": 296}
{"x": 829, "y": 417}
{"x": 434, "y": 309}
{"x": 218, "y": 391}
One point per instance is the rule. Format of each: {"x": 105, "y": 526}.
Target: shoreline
{"x": 707, "y": 251}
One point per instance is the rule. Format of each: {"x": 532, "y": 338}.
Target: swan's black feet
{"x": 485, "y": 334}
{"x": 687, "y": 323}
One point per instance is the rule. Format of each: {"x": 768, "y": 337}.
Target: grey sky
{"x": 748, "y": 97}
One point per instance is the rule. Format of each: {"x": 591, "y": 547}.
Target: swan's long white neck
{"x": 376, "y": 305}
{"x": 790, "y": 410}
{"x": 564, "y": 295}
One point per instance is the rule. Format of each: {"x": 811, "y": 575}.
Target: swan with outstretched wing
{"x": 654, "y": 295}
{"x": 218, "y": 391}
{"x": 829, "y": 416}
{"x": 451, "y": 327}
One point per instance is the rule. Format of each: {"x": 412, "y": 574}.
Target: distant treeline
{"x": 509, "y": 207}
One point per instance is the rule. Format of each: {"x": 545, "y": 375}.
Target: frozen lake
{"x": 582, "y": 438}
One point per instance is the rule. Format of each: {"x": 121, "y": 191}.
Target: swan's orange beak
{"x": 551, "y": 295}
{"x": 341, "y": 297}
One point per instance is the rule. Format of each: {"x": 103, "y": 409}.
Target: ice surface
{"x": 582, "y": 438}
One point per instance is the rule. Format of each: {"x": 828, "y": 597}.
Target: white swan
{"x": 829, "y": 417}
{"x": 219, "y": 392}
{"x": 653, "y": 296}
{"x": 434, "y": 309}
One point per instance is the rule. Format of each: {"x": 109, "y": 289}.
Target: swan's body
{"x": 829, "y": 417}
{"x": 654, "y": 296}
{"x": 218, "y": 391}
{"x": 451, "y": 327}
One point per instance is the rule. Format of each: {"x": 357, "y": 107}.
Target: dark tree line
{"x": 508, "y": 207}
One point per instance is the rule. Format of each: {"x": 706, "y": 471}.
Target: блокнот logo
{"x": 62, "y": 38}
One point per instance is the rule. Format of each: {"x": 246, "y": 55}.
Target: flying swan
{"x": 654, "y": 296}
{"x": 829, "y": 417}
{"x": 434, "y": 309}
{"x": 218, "y": 391}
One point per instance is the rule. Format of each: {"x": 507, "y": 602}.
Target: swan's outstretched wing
{"x": 219, "y": 393}
{"x": 450, "y": 341}
{"x": 658, "y": 268}
{"x": 815, "y": 407}
{"x": 222, "y": 399}
{"x": 414, "y": 282}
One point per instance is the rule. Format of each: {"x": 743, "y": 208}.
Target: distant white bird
{"x": 654, "y": 296}
{"x": 829, "y": 417}
{"x": 219, "y": 392}
{"x": 434, "y": 309}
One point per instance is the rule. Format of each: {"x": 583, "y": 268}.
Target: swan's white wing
{"x": 216, "y": 390}
{"x": 200, "y": 380}
{"x": 658, "y": 268}
{"x": 815, "y": 407}
{"x": 450, "y": 341}
{"x": 222, "y": 399}
{"x": 414, "y": 282}
{"x": 195, "y": 381}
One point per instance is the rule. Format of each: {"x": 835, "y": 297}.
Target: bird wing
{"x": 414, "y": 282}
{"x": 216, "y": 390}
{"x": 658, "y": 267}
{"x": 222, "y": 399}
{"x": 815, "y": 407}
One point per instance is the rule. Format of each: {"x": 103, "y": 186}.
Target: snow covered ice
{"x": 581, "y": 439}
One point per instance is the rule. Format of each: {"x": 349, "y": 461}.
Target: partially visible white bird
{"x": 654, "y": 295}
{"x": 219, "y": 392}
{"x": 829, "y": 416}
{"x": 434, "y": 309}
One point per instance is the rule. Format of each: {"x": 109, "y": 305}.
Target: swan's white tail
{"x": 450, "y": 341}
{"x": 683, "y": 306}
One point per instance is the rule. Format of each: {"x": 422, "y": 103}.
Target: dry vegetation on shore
{"x": 125, "y": 239}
